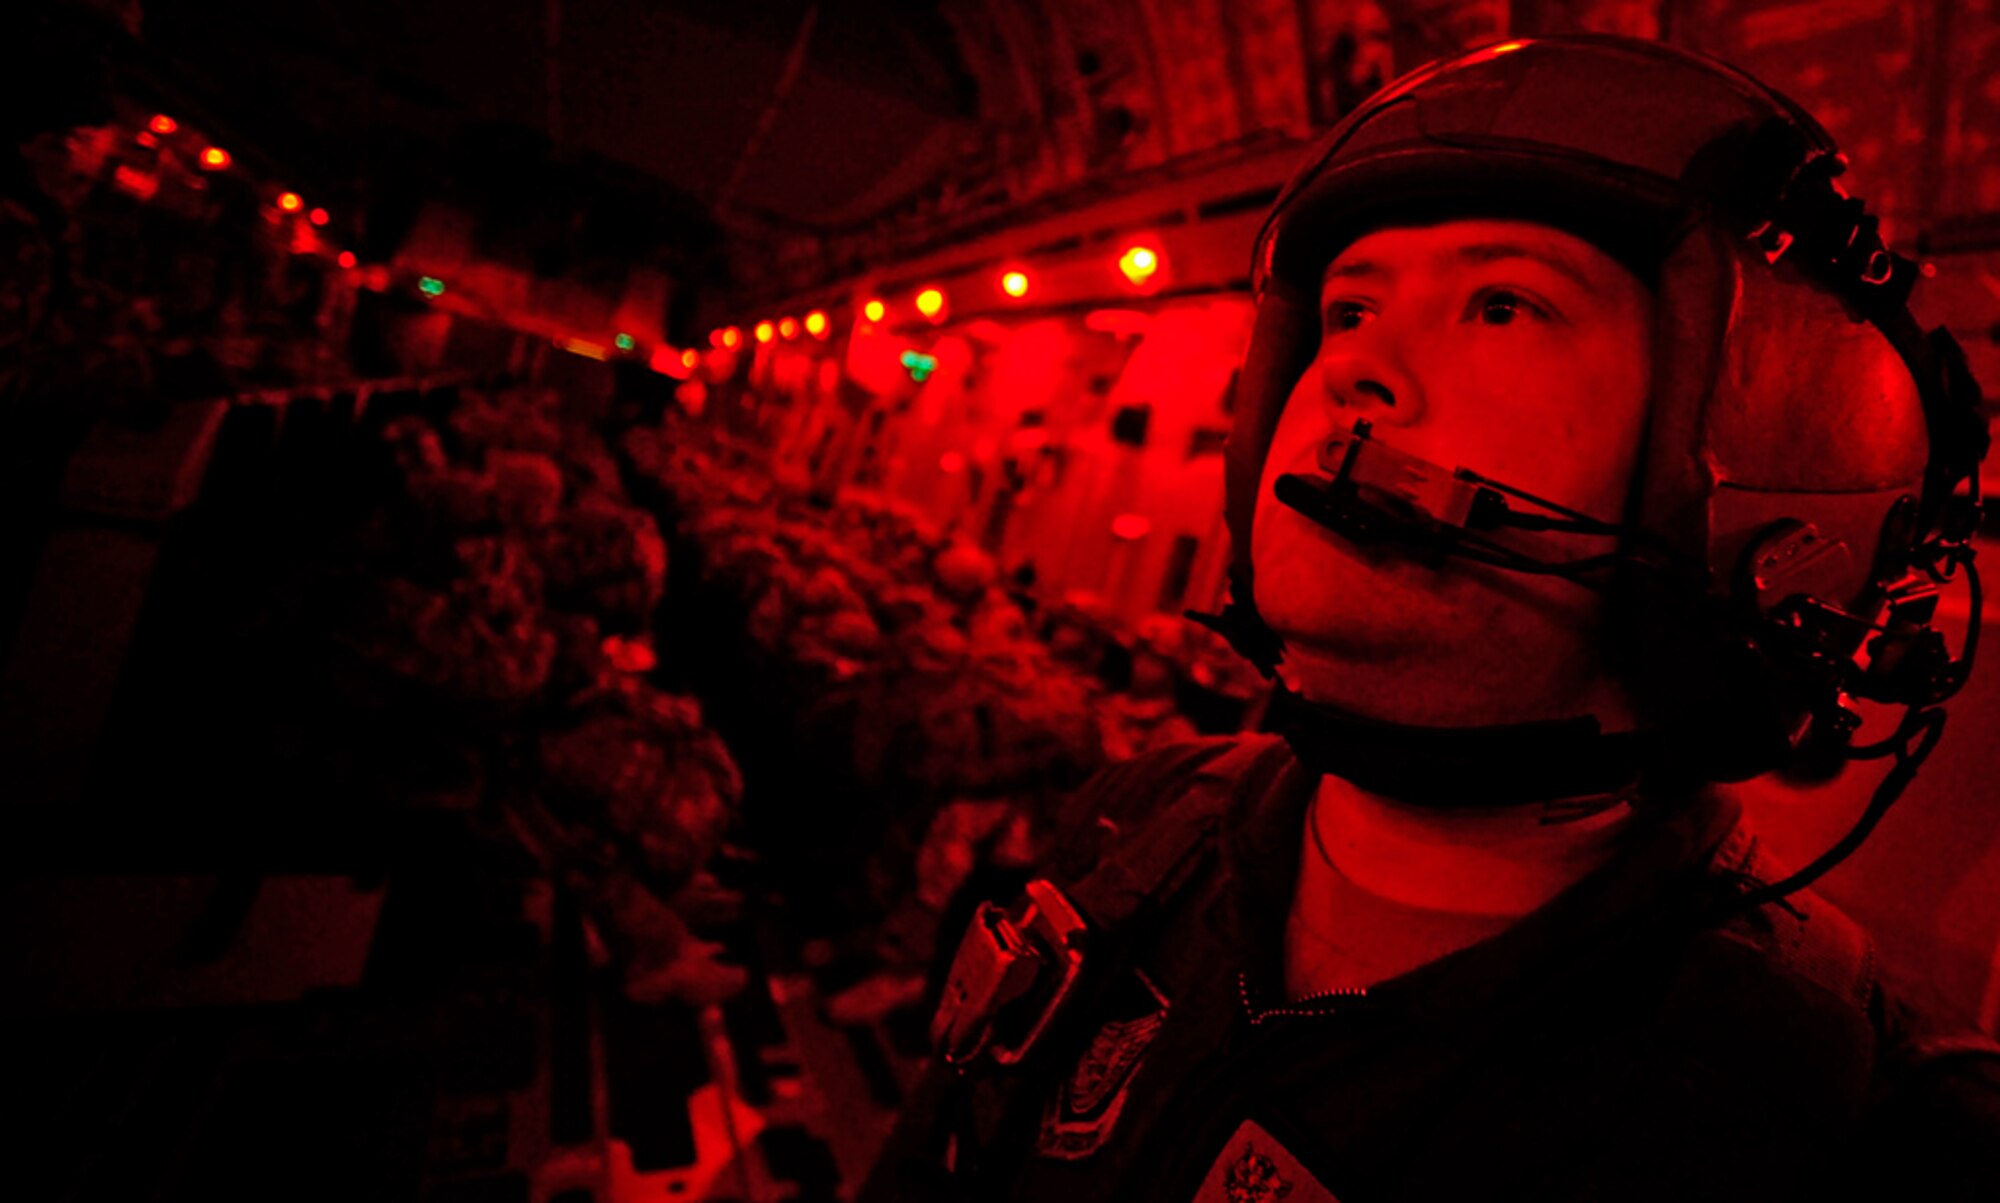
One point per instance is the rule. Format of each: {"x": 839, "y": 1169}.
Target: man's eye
{"x": 1345, "y": 315}
{"x": 1501, "y": 306}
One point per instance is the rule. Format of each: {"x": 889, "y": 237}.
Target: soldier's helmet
{"x": 1792, "y": 387}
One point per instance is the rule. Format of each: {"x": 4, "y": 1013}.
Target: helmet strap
{"x": 1508, "y": 764}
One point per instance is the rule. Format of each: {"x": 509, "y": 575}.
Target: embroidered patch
{"x": 1080, "y": 1116}
{"x": 1255, "y": 1179}
{"x": 1254, "y": 1168}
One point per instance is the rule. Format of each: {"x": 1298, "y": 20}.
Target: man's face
{"x": 1513, "y": 349}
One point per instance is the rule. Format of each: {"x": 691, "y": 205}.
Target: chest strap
{"x": 1020, "y": 968}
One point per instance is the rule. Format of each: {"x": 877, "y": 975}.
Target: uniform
{"x": 1610, "y": 1045}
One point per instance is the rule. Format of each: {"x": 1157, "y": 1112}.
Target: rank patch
{"x": 1080, "y": 1116}
{"x": 1254, "y": 1168}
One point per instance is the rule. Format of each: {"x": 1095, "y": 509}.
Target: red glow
{"x": 1139, "y": 263}
{"x": 951, "y": 462}
{"x": 816, "y": 324}
{"x": 136, "y": 182}
{"x": 163, "y": 124}
{"x": 672, "y": 363}
{"x": 215, "y": 158}
{"x": 930, "y": 302}
{"x": 318, "y": 217}
{"x": 1131, "y": 527}
{"x": 634, "y": 655}
{"x": 715, "y": 337}
{"x": 689, "y": 358}
{"x": 1014, "y": 283}
{"x": 874, "y": 310}
{"x": 347, "y": 259}
{"x": 788, "y": 327}
{"x": 147, "y": 139}
{"x": 731, "y": 336}
{"x": 1117, "y": 321}
{"x": 1032, "y": 438}
{"x": 289, "y": 202}
{"x": 766, "y": 331}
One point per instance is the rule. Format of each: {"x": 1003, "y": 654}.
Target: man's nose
{"x": 1373, "y": 386}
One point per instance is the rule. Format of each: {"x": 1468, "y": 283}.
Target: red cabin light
{"x": 147, "y": 139}
{"x": 215, "y": 158}
{"x": 731, "y": 336}
{"x": 1131, "y": 527}
{"x": 816, "y": 324}
{"x": 766, "y": 332}
{"x": 289, "y": 202}
{"x": 689, "y": 358}
{"x": 163, "y": 124}
{"x": 318, "y": 217}
{"x": 930, "y": 302}
{"x": 347, "y": 259}
{"x": 874, "y": 310}
{"x": 1139, "y": 263}
{"x": 1014, "y": 283}
{"x": 136, "y": 182}
{"x": 788, "y": 327}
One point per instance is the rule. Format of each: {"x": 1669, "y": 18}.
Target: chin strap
{"x": 1245, "y": 630}
{"x": 1510, "y": 764}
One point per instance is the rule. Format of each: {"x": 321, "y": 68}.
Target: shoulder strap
{"x": 1150, "y": 865}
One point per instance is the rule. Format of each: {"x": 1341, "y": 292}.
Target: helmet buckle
{"x": 1795, "y": 558}
{"x": 1881, "y": 265}
{"x": 1773, "y": 242}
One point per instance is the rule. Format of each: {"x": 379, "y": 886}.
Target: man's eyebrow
{"x": 1495, "y": 252}
{"x": 1354, "y": 268}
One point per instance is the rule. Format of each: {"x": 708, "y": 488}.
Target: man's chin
{"x": 1382, "y": 690}
{"x": 1361, "y": 617}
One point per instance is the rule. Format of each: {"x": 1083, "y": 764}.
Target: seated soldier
{"x": 1477, "y": 923}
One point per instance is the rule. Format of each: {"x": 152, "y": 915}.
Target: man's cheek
{"x": 1283, "y": 541}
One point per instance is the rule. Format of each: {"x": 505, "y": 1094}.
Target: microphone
{"x": 1374, "y": 493}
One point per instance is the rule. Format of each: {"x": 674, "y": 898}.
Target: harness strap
{"x": 1147, "y": 873}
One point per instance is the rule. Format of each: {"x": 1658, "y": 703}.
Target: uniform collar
{"x": 1656, "y": 875}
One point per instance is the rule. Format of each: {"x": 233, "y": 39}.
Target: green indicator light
{"x": 624, "y": 342}
{"x": 431, "y": 286}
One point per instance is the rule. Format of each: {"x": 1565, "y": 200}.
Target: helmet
{"x": 1807, "y": 444}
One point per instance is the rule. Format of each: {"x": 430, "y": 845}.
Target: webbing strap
{"x": 1151, "y": 869}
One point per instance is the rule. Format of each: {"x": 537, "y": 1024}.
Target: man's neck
{"x": 1476, "y": 862}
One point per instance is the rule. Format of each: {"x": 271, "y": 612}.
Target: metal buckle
{"x": 1012, "y": 973}
{"x": 1792, "y": 558}
{"x": 1775, "y": 244}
